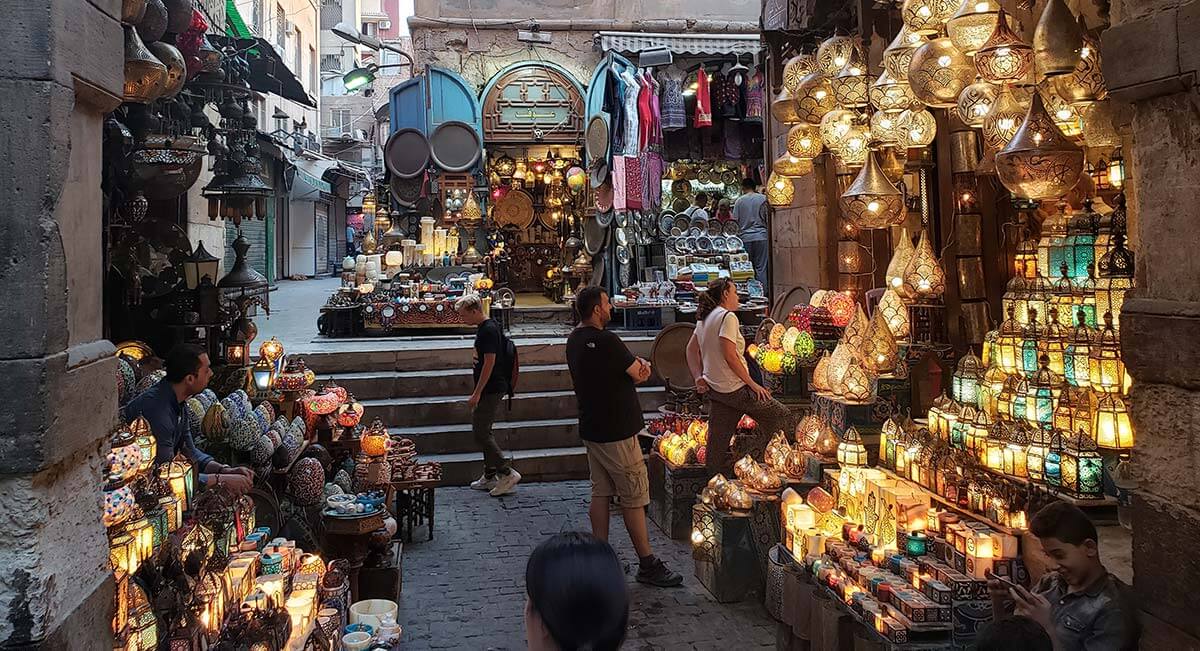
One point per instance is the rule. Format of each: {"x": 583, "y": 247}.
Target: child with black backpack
{"x": 495, "y": 372}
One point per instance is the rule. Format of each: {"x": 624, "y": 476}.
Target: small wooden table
{"x": 414, "y": 506}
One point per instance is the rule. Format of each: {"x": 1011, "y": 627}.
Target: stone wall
{"x": 478, "y": 55}
{"x": 63, "y": 73}
{"x": 1151, "y": 58}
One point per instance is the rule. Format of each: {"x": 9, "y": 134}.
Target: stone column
{"x": 1150, "y": 58}
{"x": 62, "y": 73}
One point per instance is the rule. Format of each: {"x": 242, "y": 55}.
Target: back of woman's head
{"x": 710, "y": 298}
{"x": 577, "y": 589}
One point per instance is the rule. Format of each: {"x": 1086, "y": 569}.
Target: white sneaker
{"x": 506, "y": 484}
{"x": 484, "y": 483}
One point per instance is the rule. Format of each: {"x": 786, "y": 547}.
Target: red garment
{"x": 703, "y": 101}
{"x": 645, "y": 117}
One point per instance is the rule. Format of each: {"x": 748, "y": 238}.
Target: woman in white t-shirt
{"x": 716, "y": 357}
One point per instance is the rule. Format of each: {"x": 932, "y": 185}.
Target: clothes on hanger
{"x": 754, "y": 97}
{"x": 674, "y": 113}
{"x": 704, "y": 114}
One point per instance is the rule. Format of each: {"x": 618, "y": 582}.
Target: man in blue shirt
{"x": 188, "y": 373}
{"x": 750, "y": 211}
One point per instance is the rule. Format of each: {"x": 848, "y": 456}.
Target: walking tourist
{"x": 716, "y": 357}
{"x": 1077, "y": 601}
{"x": 188, "y": 373}
{"x": 351, "y": 233}
{"x": 576, "y": 597}
{"x": 750, "y": 211}
{"x": 604, "y": 373}
{"x": 492, "y": 371}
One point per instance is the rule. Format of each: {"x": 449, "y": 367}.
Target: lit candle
{"x": 917, "y": 544}
{"x": 272, "y": 586}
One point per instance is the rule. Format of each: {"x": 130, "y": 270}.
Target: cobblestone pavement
{"x": 466, "y": 588}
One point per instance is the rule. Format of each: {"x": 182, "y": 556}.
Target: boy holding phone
{"x": 1081, "y": 605}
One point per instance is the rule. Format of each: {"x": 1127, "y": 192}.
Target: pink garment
{"x": 645, "y": 120}
{"x": 618, "y": 183}
{"x": 633, "y": 183}
{"x": 652, "y": 164}
{"x": 704, "y": 116}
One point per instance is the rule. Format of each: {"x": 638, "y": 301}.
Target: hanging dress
{"x": 653, "y": 165}
{"x": 633, "y": 164}
{"x": 674, "y": 114}
{"x": 754, "y": 98}
{"x": 729, "y": 101}
{"x": 704, "y": 115}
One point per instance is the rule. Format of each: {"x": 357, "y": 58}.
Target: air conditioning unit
{"x": 385, "y": 24}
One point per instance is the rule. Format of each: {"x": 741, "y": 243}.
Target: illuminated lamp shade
{"x": 889, "y": 95}
{"x": 1106, "y": 370}
{"x": 1057, "y": 40}
{"x": 898, "y": 54}
{"x": 939, "y": 72}
{"x": 976, "y": 101}
{"x": 263, "y": 373}
{"x": 872, "y": 200}
{"x": 850, "y": 258}
{"x": 839, "y": 363}
{"x": 888, "y": 129}
{"x": 835, "y": 52}
{"x": 1039, "y": 162}
{"x": 1066, "y": 117}
{"x": 836, "y": 126}
{"x": 393, "y": 258}
{"x": 840, "y": 306}
{"x": 471, "y": 211}
{"x": 1076, "y": 364}
{"x": 927, "y": 16}
{"x": 924, "y": 277}
{"x": 272, "y": 349}
{"x": 854, "y": 148}
{"x": 784, "y": 109}
{"x": 1080, "y": 466}
{"x": 989, "y": 389}
{"x": 1111, "y": 427}
{"x": 880, "y": 348}
{"x": 1086, "y": 82}
{"x": 820, "y": 378}
{"x": 850, "y": 84}
{"x": 791, "y": 167}
{"x": 804, "y": 141}
{"x": 797, "y": 68}
{"x": 1041, "y": 395}
{"x": 972, "y": 24}
{"x": 1116, "y": 269}
{"x": 1005, "y": 58}
{"x": 1000, "y": 124}
{"x": 1054, "y": 342}
{"x": 1100, "y": 121}
{"x": 813, "y": 99}
{"x": 851, "y": 452}
{"x": 920, "y": 127}
{"x": 894, "y": 312}
{"x": 1040, "y": 441}
{"x": 966, "y": 379}
{"x": 827, "y": 443}
{"x": 780, "y": 190}
{"x": 855, "y": 334}
{"x": 858, "y": 384}
{"x": 894, "y": 276}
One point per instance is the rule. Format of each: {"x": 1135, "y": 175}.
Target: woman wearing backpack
{"x": 493, "y": 379}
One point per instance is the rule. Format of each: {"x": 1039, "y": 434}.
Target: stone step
{"x": 544, "y": 464}
{"x": 510, "y": 435}
{"x": 416, "y": 411}
{"x": 373, "y": 385}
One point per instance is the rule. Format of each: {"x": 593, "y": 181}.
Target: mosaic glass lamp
{"x": 851, "y": 452}
{"x": 924, "y": 277}
{"x": 972, "y": 24}
{"x": 966, "y": 379}
{"x": 1004, "y": 58}
{"x": 1039, "y": 162}
{"x": 872, "y": 201}
{"x": 1111, "y": 427}
{"x": 804, "y": 141}
{"x": 939, "y": 72}
{"x": 1076, "y": 363}
{"x": 975, "y": 102}
{"x": 1081, "y": 467}
{"x": 1106, "y": 371}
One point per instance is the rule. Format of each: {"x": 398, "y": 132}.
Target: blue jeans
{"x": 760, "y": 253}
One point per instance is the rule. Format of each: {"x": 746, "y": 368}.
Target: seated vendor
{"x": 188, "y": 372}
{"x": 1081, "y": 605}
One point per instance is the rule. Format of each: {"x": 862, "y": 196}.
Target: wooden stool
{"x": 414, "y": 506}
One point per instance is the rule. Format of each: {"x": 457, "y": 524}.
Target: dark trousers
{"x": 760, "y": 253}
{"x": 481, "y": 428}
{"x": 724, "y": 412}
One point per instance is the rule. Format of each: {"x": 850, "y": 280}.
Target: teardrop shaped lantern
{"x": 170, "y": 57}
{"x": 834, "y": 52}
{"x": 856, "y": 330}
{"x": 471, "y": 213}
{"x": 791, "y": 167}
{"x": 853, "y": 149}
{"x": 899, "y": 53}
{"x": 1100, "y": 121}
{"x": 1056, "y": 40}
{"x": 972, "y": 24}
{"x": 820, "y": 378}
{"x": 1005, "y": 58}
{"x": 836, "y": 126}
{"x": 894, "y": 312}
{"x": 783, "y": 108}
{"x": 881, "y": 350}
{"x": 920, "y": 127}
{"x": 894, "y": 276}
{"x": 804, "y": 141}
{"x": 858, "y": 385}
{"x": 797, "y": 68}
{"x": 840, "y": 361}
{"x": 927, "y": 16}
{"x": 976, "y": 101}
{"x": 938, "y": 72}
{"x": 1086, "y": 82}
{"x": 890, "y": 96}
{"x": 1039, "y": 162}
{"x": 924, "y": 277}
{"x": 892, "y": 156}
{"x": 1001, "y": 123}
{"x": 780, "y": 191}
{"x": 872, "y": 200}
{"x": 850, "y": 84}
{"x": 145, "y": 75}
{"x": 814, "y": 98}
{"x": 1066, "y": 117}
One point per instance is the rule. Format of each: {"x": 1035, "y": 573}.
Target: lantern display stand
{"x": 673, "y": 491}
{"x": 723, "y": 550}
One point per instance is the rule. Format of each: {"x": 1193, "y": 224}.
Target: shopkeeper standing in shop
{"x": 750, "y": 211}
{"x": 188, "y": 373}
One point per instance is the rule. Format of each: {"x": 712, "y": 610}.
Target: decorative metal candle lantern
{"x": 1081, "y": 467}
{"x": 813, "y": 99}
{"x": 1000, "y": 124}
{"x": 1054, "y": 343}
{"x": 858, "y": 384}
{"x": 1015, "y": 453}
{"x": 890, "y": 95}
{"x": 850, "y": 83}
{"x": 1030, "y": 345}
{"x": 797, "y": 68}
{"x": 939, "y": 72}
{"x": 1112, "y": 429}
{"x": 1076, "y": 363}
{"x": 1040, "y": 441}
{"x": 1116, "y": 269}
{"x": 1106, "y": 370}
{"x": 1039, "y": 162}
{"x": 780, "y": 191}
{"x": 1044, "y": 388}
{"x": 966, "y": 379}
{"x": 1053, "y": 463}
{"x": 989, "y": 389}
{"x": 1051, "y": 243}
{"x": 991, "y": 448}
{"x": 924, "y": 277}
{"x": 969, "y": 432}
{"x": 927, "y": 16}
{"x": 880, "y": 348}
{"x": 976, "y": 101}
{"x": 894, "y": 276}
{"x": 804, "y": 141}
{"x": 820, "y": 377}
{"x": 894, "y": 312}
{"x": 972, "y": 24}
{"x": 872, "y": 200}
{"x": 850, "y": 452}
{"x": 177, "y": 475}
{"x": 898, "y": 54}
{"x": 1008, "y": 343}
{"x": 1004, "y": 58}
{"x": 1074, "y": 411}
{"x": 1038, "y": 297}
{"x": 827, "y": 444}
{"x": 1057, "y": 40}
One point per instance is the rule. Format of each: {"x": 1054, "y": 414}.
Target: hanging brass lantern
{"x": 1005, "y": 58}
{"x": 1100, "y": 121}
{"x": 1086, "y": 82}
{"x": 890, "y": 96}
{"x": 1056, "y": 40}
{"x": 791, "y": 167}
{"x": 836, "y": 126}
{"x": 834, "y": 52}
{"x": 888, "y": 128}
{"x": 170, "y": 57}
{"x": 976, "y": 101}
{"x": 899, "y": 53}
{"x": 797, "y": 68}
{"x": 780, "y": 191}
{"x": 880, "y": 349}
{"x": 804, "y": 141}
{"x": 850, "y": 85}
{"x": 1039, "y": 162}
{"x": 924, "y": 277}
{"x": 145, "y": 76}
{"x": 920, "y": 127}
{"x": 872, "y": 200}
{"x": 1002, "y": 122}
{"x": 972, "y": 24}
{"x": 814, "y": 99}
{"x": 938, "y": 72}
{"x": 783, "y": 108}
{"x": 1066, "y": 118}
{"x": 893, "y": 159}
{"x": 854, "y": 147}
{"x": 927, "y": 16}
{"x": 894, "y": 276}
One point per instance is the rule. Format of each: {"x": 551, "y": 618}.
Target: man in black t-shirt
{"x": 491, "y": 374}
{"x": 605, "y": 373}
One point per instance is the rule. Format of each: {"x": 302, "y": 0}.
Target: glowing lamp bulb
{"x": 924, "y": 12}
{"x": 944, "y": 61}
{"x": 896, "y": 282}
{"x": 820, "y": 94}
{"x": 697, "y": 537}
{"x": 1085, "y": 52}
{"x": 779, "y": 184}
{"x": 981, "y": 7}
{"x": 873, "y": 206}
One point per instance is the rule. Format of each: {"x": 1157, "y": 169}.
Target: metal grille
{"x": 331, "y": 62}
{"x": 256, "y": 16}
{"x": 280, "y": 29}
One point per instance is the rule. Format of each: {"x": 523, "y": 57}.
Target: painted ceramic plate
{"x": 730, "y": 227}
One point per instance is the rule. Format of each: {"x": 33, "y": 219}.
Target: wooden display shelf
{"x": 1012, "y": 531}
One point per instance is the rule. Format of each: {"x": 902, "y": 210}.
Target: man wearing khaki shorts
{"x": 604, "y": 373}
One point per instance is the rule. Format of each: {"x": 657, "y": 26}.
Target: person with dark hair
{"x": 750, "y": 211}
{"x": 605, "y": 374}
{"x": 188, "y": 373}
{"x": 699, "y": 208}
{"x": 1077, "y": 601}
{"x": 716, "y": 357}
{"x": 576, "y": 598}
{"x": 1013, "y": 632}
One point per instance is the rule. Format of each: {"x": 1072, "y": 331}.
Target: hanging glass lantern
{"x": 1008, "y": 344}
{"x": 1106, "y": 370}
{"x": 1004, "y": 58}
{"x": 1042, "y": 394}
{"x": 784, "y": 108}
{"x": 872, "y": 200}
{"x": 888, "y": 128}
{"x": 894, "y": 276}
{"x": 1066, "y": 118}
{"x": 850, "y": 84}
{"x": 924, "y": 277}
{"x": 797, "y": 68}
{"x": 1081, "y": 467}
{"x": 804, "y": 141}
{"x": 814, "y": 98}
{"x": 972, "y": 24}
{"x": 791, "y": 167}
{"x": 1039, "y": 162}
{"x": 927, "y": 16}
{"x": 890, "y": 95}
{"x": 1076, "y": 364}
{"x": 920, "y": 126}
{"x": 1051, "y": 243}
{"x": 1057, "y": 40}
{"x": 780, "y": 190}
{"x": 898, "y": 54}
{"x": 851, "y": 452}
{"x": 894, "y": 312}
{"x": 880, "y": 349}
{"x": 1086, "y": 82}
{"x": 966, "y": 378}
{"x": 834, "y": 52}
{"x": 975, "y": 102}
{"x": 1003, "y": 120}
{"x": 939, "y": 72}
{"x": 1116, "y": 270}
{"x": 1030, "y": 340}
{"x": 1112, "y": 429}
{"x": 989, "y": 390}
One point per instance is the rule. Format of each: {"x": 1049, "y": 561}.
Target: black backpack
{"x": 510, "y": 365}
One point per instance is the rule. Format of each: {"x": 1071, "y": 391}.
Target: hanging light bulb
{"x": 814, "y": 98}
{"x": 1001, "y": 123}
{"x": 888, "y": 128}
{"x": 924, "y": 277}
{"x": 976, "y": 101}
{"x": 804, "y": 141}
{"x": 920, "y": 126}
{"x": 890, "y": 96}
{"x": 972, "y": 24}
{"x": 1004, "y": 58}
{"x": 784, "y": 108}
{"x": 797, "y": 68}
{"x": 938, "y": 72}
{"x": 1039, "y": 162}
{"x": 850, "y": 84}
{"x": 1066, "y": 118}
{"x": 927, "y": 16}
{"x": 872, "y": 200}
{"x": 898, "y": 54}
{"x": 1057, "y": 40}
{"x": 780, "y": 191}
{"x": 834, "y": 52}
{"x": 791, "y": 167}
{"x": 894, "y": 276}
{"x": 1086, "y": 82}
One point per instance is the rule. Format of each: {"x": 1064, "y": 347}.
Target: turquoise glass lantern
{"x": 1081, "y": 468}
{"x": 1042, "y": 394}
{"x": 1030, "y": 343}
{"x": 1052, "y": 469}
{"x": 1079, "y": 343}
{"x": 1051, "y": 245}
{"x": 1081, "y": 241}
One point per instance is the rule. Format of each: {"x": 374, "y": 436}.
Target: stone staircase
{"x": 419, "y": 387}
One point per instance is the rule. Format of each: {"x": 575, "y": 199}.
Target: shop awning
{"x": 268, "y": 72}
{"x": 683, "y": 44}
{"x": 308, "y": 184}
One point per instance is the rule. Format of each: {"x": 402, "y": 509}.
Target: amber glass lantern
{"x": 927, "y": 16}
{"x": 1076, "y": 363}
{"x": 1054, "y": 343}
{"x": 1016, "y": 451}
{"x": 780, "y": 190}
{"x": 1044, "y": 388}
{"x": 990, "y": 448}
{"x": 990, "y": 388}
{"x": 1004, "y": 58}
{"x": 966, "y": 379}
{"x": 972, "y": 24}
{"x": 1039, "y": 162}
{"x": 872, "y": 200}
{"x": 1041, "y": 439}
{"x": 920, "y": 126}
{"x": 1106, "y": 371}
{"x": 1111, "y": 427}
{"x": 1081, "y": 467}
{"x": 1002, "y": 121}
{"x": 1008, "y": 344}
{"x": 894, "y": 312}
{"x": 975, "y": 102}
{"x": 938, "y": 72}
{"x": 851, "y": 452}
{"x": 1038, "y": 298}
{"x": 1074, "y": 411}
{"x": 894, "y": 275}
{"x": 797, "y": 68}
{"x": 898, "y": 54}
{"x": 814, "y": 98}
{"x": 804, "y": 141}
{"x": 924, "y": 277}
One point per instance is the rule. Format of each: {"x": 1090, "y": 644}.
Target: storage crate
{"x": 645, "y": 318}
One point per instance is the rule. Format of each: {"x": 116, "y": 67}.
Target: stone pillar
{"x": 1150, "y": 58}
{"x": 63, "y": 72}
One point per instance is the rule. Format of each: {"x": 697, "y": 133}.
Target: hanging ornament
{"x": 890, "y": 96}
{"x": 1039, "y": 162}
{"x": 783, "y": 108}
{"x": 1057, "y": 40}
{"x": 895, "y": 313}
{"x": 854, "y": 148}
{"x": 888, "y": 128}
{"x": 924, "y": 277}
{"x": 850, "y": 84}
{"x": 972, "y": 24}
{"x": 893, "y": 158}
{"x": 894, "y": 276}
{"x": 814, "y": 98}
{"x": 834, "y": 52}
{"x": 1086, "y": 82}
{"x": 939, "y": 72}
{"x": 927, "y": 16}
{"x": 899, "y": 53}
{"x": 1099, "y": 123}
{"x": 1005, "y": 58}
{"x": 836, "y": 126}
{"x": 872, "y": 200}
{"x": 804, "y": 141}
{"x": 791, "y": 167}
{"x": 976, "y": 101}
{"x": 1066, "y": 118}
{"x": 920, "y": 127}
{"x": 780, "y": 191}
{"x": 145, "y": 75}
{"x": 797, "y": 68}
{"x": 1001, "y": 123}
